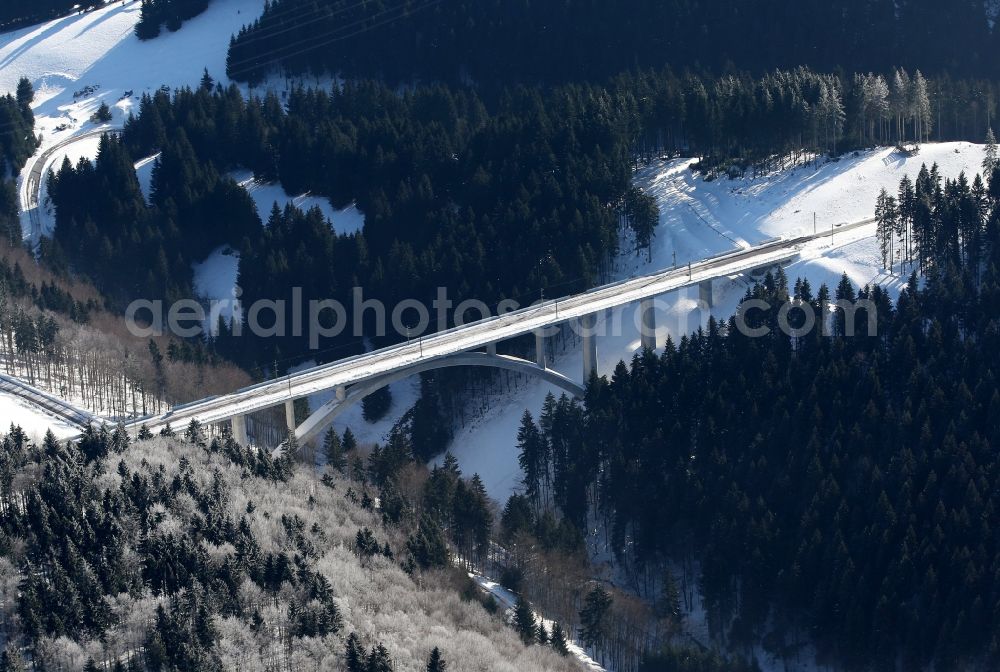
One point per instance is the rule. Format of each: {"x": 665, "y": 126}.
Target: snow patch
{"x": 266, "y": 194}
{"x": 144, "y": 173}
{"x": 215, "y": 281}
{"x": 34, "y": 421}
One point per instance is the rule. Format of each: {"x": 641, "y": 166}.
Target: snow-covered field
{"x": 98, "y": 50}
{"x": 34, "y": 421}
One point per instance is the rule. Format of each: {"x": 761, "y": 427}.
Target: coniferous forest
{"x": 16, "y": 13}
{"x": 157, "y": 14}
{"x": 841, "y": 490}
{"x": 177, "y": 552}
{"x": 572, "y": 41}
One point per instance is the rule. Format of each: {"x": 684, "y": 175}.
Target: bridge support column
{"x": 290, "y": 415}
{"x": 706, "y": 293}
{"x": 341, "y": 393}
{"x": 491, "y": 348}
{"x": 647, "y": 333}
{"x": 540, "y": 349}
{"x": 239, "y": 426}
{"x": 587, "y": 324}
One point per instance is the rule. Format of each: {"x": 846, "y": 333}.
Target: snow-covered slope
{"x": 34, "y": 421}
{"x": 98, "y": 52}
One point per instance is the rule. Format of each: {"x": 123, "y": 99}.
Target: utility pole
{"x": 814, "y": 223}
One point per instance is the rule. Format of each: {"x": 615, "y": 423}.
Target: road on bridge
{"x": 479, "y": 334}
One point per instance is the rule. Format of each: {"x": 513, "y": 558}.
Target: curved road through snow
{"x": 32, "y": 185}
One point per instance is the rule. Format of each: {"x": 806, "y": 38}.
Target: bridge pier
{"x": 239, "y": 426}
{"x": 341, "y": 393}
{"x": 706, "y": 293}
{"x": 647, "y": 332}
{"x": 540, "y": 349}
{"x": 290, "y": 415}
{"x": 587, "y": 324}
{"x": 491, "y": 348}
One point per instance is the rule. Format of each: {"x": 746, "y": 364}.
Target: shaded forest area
{"x": 156, "y": 14}
{"x": 530, "y": 42}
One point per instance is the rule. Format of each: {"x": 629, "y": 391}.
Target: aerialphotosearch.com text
{"x": 319, "y": 319}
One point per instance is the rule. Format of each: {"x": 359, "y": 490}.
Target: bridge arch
{"x": 328, "y": 412}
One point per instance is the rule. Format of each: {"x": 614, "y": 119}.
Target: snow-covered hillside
{"x": 78, "y": 61}
{"x": 97, "y": 55}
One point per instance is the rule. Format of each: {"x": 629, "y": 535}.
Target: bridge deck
{"x": 479, "y": 334}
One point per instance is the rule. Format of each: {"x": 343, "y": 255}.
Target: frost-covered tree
{"x": 872, "y": 106}
{"x": 900, "y": 102}
{"x": 11, "y": 661}
{"x": 921, "y": 108}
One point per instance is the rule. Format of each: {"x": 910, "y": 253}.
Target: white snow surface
{"x": 34, "y": 421}
{"x": 76, "y": 62}
{"x": 99, "y": 49}
{"x": 265, "y": 195}
{"x": 215, "y": 281}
